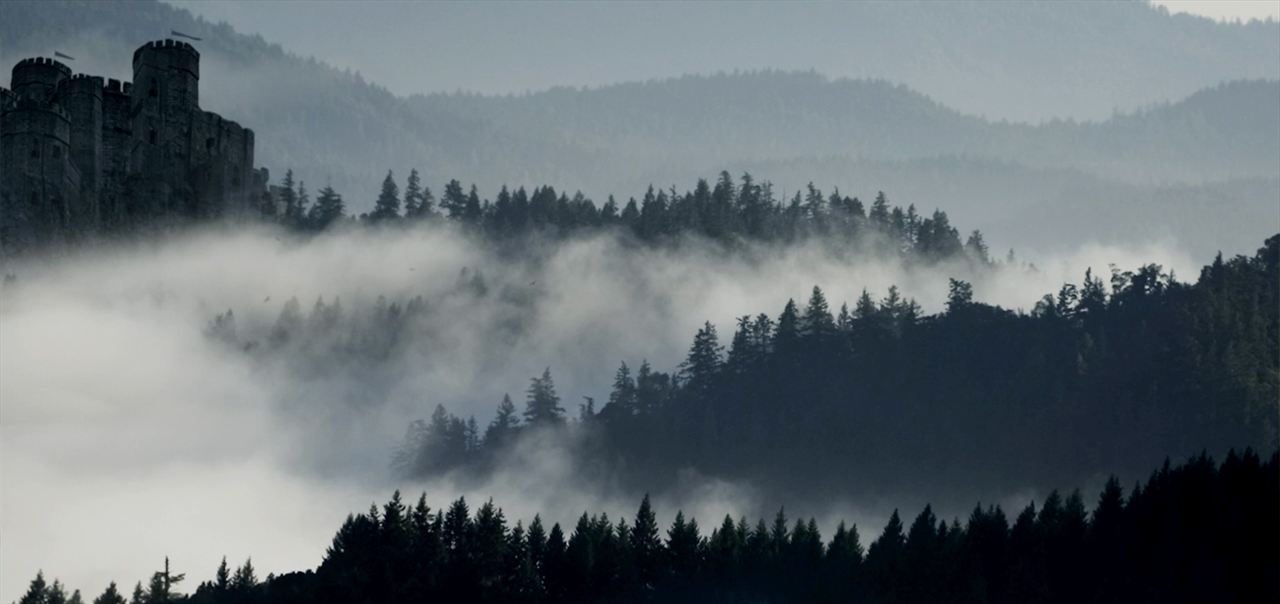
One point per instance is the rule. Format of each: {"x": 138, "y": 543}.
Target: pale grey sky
{"x": 1225, "y": 10}
{"x": 503, "y": 47}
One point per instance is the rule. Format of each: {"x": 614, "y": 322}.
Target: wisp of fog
{"x": 129, "y": 434}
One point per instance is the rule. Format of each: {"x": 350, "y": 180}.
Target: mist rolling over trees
{"x": 964, "y": 302}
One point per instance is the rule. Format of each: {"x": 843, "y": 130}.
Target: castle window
{"x": 151, "y": 136}
{"x": 35, "y": 148}
{"x": 208, "y": 144}
{"x": 57, "y": 152}
{"x": 153, "y": 91}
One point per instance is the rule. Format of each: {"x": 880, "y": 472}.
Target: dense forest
{"x": 1194, "y": 532}
{"x": 977, "y": 396}
{"x": 727, "y": 212}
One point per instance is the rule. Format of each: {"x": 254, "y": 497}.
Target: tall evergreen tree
{"x": 542, "y": 404}
{"x": 387, "y": 207}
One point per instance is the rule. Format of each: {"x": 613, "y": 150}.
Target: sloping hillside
{"x": 1219, "y": 148}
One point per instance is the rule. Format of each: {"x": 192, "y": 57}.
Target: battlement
{"x": 39, "y": 77}
{"x": 42, "y": 63}
{"x": 85, "y": 84}
{"x": 167, "y": 46}
{"x": 115, "y": 86}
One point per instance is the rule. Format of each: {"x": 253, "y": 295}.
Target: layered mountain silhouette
{"x": 1201, "y": 170}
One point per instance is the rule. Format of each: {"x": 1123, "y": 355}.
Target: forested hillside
{"x": 1097, "y": 376}
{"x": 1215, "y": 151}
{"x": 1193, "y": 532}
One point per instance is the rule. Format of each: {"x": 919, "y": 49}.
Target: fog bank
{"x": 127, "y": 434}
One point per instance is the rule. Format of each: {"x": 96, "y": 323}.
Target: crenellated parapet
{"x": 38, "y": 77}
{"x": 168, "y": 54}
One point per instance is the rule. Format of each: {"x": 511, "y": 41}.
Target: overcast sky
{"x": 557, "y": 48}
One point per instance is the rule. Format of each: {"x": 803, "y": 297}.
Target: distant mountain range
{"x": 1204, "y": 170}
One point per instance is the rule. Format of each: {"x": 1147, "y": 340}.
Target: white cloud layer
{"x": 127, "y": 435}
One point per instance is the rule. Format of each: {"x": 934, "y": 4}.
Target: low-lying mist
{"x": 129, "y": 433}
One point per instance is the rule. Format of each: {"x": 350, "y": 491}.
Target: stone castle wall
{"x": 80, "y": 155}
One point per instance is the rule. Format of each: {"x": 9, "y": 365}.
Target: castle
{"x": 81, "y": 156}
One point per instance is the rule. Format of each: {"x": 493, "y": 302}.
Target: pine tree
{"x": 37, "y": 591}
{"x": 503, "y": 426}
{"x": 684, "y": 545}
{"x": 222, "y": 578}
{"x": 304, "y": 208}
{"x": 111, "y": 595}
{"x": 787, "y": 334}
{"x": 246, "y": 578}
{"x": 454, "y": 201}
{"x": 701, "y": 368}
{"x": 327, "y": 210}
{"x": 623, "y": 398}
{"x": 646, "y": 545}
{"x": 387, "y": 207}
{"x": 879, "y": 214}
{"x": 289, "y": 200}
{"x": 977, "y": 248}
{"x": 413, "y": 195}
{"x": 960, "y": 296}
{"x": 471, "y": 211}
{"x": 542, "y": 404}
{"x": 817, "y": 322}
{"x": 57, "y": 594}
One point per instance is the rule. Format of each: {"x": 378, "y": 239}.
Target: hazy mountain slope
{"x": 1022, "y": 61}
{"x": 1232, "y": 130}
{"x": 1219, "y": 147}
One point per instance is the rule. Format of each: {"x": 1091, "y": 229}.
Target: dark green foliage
{"x": 542, "y": 404}
{"x": 977, "y": 397}
{"x": 327, "y": 210}
{"x": 728, "y": 214}
{"x": 111, "y": 595}
{"x": 387, "y": 207}
{"x": 1196, "y": 532}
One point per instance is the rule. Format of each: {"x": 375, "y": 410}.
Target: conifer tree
{"x": 504, "y": 424}
{"x": 454, "y": 200}
{"x": 817, "y": 320}
{"x": 37, "y": 591}
{"x": 327, "y": 210}
{"x": 542, "y": 404}
{"x": 387, "y": 207}
{"x": 289, "y": 199}
{"x": 413, "y": 195}
{"x": 111, "y": 595}
{"x": 702, "y": 366}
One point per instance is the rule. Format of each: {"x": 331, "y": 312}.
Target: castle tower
{"x": 38, "y": 79}
{"x": 41, "y": 186}
{"x": 164, "y": 103}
